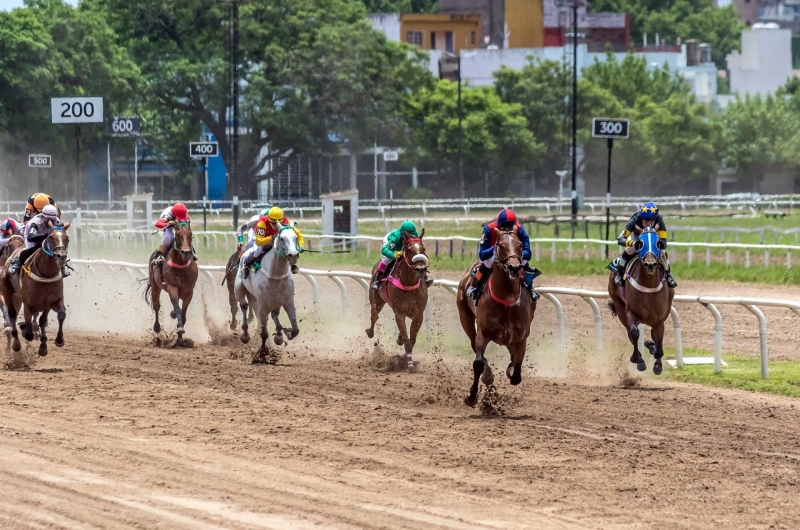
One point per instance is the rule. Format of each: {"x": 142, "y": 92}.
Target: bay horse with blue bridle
{"x": 643, "y": 298}
{"x": 502, "y": 315}
{"x": 406, "y": 291}
{"x": 39, "y": 287}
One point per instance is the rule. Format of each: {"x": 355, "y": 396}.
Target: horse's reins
{"x": 396, "y": 281}
{"x": 504, "y": 266}
{"x": 35, "y": 276}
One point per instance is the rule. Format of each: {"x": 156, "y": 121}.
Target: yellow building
{"x": 449, "y": 32}
{"x": 524, "y": 23}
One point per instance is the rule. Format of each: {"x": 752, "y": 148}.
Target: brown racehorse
{"x": 503, "y": 315}
{"x": 645, "y": 298}
{"x": 406, "y": 292}
{"x": 231, "y": 270}
{"x": 14, "y": 242}
{"x": 177, "y": 277}
{"x": 40, "y": 287}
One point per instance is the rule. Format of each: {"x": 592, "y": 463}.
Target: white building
{"x": 765, "y": 62}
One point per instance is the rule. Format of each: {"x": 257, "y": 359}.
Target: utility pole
{"x": 574, "y": 114}
{"x": 234, "y": 92}
{"x": 460, "y": 135}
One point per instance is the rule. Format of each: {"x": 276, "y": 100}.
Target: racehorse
{"x": 40, "y": 287}
{"x": 644, "y": 298}
{"x": 13, "y": 243}
{"x": 269, "y": 289}
{"x": 177, "y": 276}
{"x": 503, "y": 317}
{"x": 406, "y": 292}
{"x": 231, "y": 270}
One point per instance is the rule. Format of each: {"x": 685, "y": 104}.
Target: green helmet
{"x": 408, "y": 227}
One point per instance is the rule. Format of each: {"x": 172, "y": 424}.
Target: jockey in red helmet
{"x": 177, "y": 213}
{"x": 506, "y": 220}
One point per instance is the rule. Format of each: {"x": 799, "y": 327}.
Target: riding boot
{"x": 670, "y": 280}
{"x": 621, "y": 265}
{"x": 248, "y": 262}
{"x": 13, "y": 265}
{"x": 65, "y": 271}
{"x": 428, "y": 280}
{"x": 376, "y": 280}
{"x": 295, "y": 269}
{"x": 530, "y": 274}
{"x": 194, "y": 254}
{"x": 158, "y": 259}
{"x": 478, "y": 281}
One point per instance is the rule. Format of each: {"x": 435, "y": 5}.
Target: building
{"x": 598, "y": 29}
{"x": 449, "y": 33}
{"x": 748, "y": 10}
{"x": 505, "y": 23}
{"x": 765, "y": 62}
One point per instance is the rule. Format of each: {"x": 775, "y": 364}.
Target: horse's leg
{"x": 28, "y": 331}
{"x": 514, "y": 370}
{"x": 278, "y": 327}
{"x": 184, "y": 311}
{"x": 400, "y": 320}
{"x": 176, "y": 310}
{"x": 62, "y": 316}
{"x": 416, "y": 324}
{"x": 42, "y": 333}
{"x": 376, "y": 304}
{"x": 291, "y": 312}
{"x": 633, "y": 336}
{"x": 13, "y": 311}
{"x": 231, "y": 279}
{"x": 155, "y": 301}
{"x": 478, "y": 366}
{"x": 263, "y": 322}
{"x": 657, "y": 334}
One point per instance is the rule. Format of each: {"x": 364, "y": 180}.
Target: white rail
{"x": 549, "y": 293}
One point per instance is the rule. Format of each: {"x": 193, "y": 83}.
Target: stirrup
{"x": 295, "y": 269}
{"x": 376, "y": 285}
{"x": 158, "y": 260}
{"x": 671, "y": 281}
{"x": 428, "y": 281}
{"x": 618, "y": 279}
{"x": 472, "y": 291}
{"x": 13, "y": 266}
{"x": 65, "y": 272}
{"x": 534, "y": 293}
{"x": 245, "y": 272}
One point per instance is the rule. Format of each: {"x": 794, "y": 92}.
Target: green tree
{"x": 313, "y": 72}
{"x": 497, "y": 145}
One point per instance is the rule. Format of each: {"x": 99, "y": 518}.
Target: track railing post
{"x": 762, "y": 335}
{"x": 598, "y": 323}
{"x": 676, "y": 330}
{"x": 562, "y": 341}
{"x": 717, "y": 336}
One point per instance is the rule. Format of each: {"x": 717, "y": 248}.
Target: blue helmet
{"x": 649, "y": 210}
{"x": 506, "y": 217}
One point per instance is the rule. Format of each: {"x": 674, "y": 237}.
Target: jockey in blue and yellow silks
{"x": 647, "y": 216}
{"x": 506, "y": 221}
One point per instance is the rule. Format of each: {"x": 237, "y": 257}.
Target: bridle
{"x": 408, "y": 243}
{"x": 278, "y": 244}
{"x": 504, "y": 262}
{"x": 175, "y": 239}
{"x": 51, "y": 251}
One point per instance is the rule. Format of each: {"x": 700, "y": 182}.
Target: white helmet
{"x": 50, "y": 212}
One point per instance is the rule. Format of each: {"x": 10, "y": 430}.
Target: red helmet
{"x": 8, "y": 227}
{"x": 506, "y": 217}
{"x": 180, "y": 212}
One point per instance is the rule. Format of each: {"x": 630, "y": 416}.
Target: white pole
{"x": 109, "y": 174}
{"x": 135, "y": 167}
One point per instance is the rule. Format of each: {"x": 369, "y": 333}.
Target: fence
{"x": 454, "y": 246}
{"x": 549, "y": 293}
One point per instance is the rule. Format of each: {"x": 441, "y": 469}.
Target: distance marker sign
{"x": 123, "y": 127}
{"x": 610, "y": 127}
{"x": 203, "y": 149}
{"x": 40, "y": 161}
{"x": 76, "y": 110}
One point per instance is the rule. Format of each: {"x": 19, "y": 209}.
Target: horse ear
{"x": 67, "y": 225}
{"x": 422, "y": 234}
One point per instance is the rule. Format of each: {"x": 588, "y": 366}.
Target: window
{"x": 472, "y": 38}
{"x": 414, "y": 37}
{"x": 433, "y": 40}
{"x": 448, "y": 42}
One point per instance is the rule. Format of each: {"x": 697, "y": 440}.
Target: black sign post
{"x": 205, "y": 150}
{"x": 609, "y": 128}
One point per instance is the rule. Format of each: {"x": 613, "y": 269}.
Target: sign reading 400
{"x": 610, "y": 127}
{"x": 203, "y": 149}
{"x": 76, "y": 110}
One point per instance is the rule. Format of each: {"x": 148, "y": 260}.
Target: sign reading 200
{"x": 76, "y": 110}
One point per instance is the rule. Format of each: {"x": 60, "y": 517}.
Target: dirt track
{"x": 106, "y": 435}
{"x": 110, "y": 432}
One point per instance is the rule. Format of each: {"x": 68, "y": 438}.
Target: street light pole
{"x": 574, "y": 115}
{"x": 234, "y": 93}
{"x": 460, "y": 153}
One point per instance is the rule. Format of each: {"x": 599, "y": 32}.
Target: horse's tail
{"x": 233, "y": 262}
{"x": 148, "y": 298}
{"x": 611, "y": 307}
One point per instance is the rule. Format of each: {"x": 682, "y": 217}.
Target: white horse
{"x": 269, "y": 289}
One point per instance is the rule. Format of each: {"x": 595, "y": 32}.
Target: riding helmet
{"x": 50, "y": 212}
{"x": 275, "y": 214}
{"x": 408, "y": 227}
{"x": 649, "y": 210}
{"x": 180, "y": 212}
{"x": 40, "y": 200}
{"x": 8, "y": 226}
{"x": 506, "y": 217}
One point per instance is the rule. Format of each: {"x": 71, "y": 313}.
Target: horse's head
{"x": 508, "y": 252}
{"x": 57, "y": 244}
{"x": 286, "y": 245}
{"x": 183, "y": 240}
{"x": 414, "y": 254}
{"x": 649, "y": 248}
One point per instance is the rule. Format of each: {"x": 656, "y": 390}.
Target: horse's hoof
{"x": 28, "y": 336}
{"x": 172, "y": 315}
{"x": 400, "y": 340}
{"x": 293, "y": 333}
{"x": 487, "y": 378}
{"x": 59, "y": 342}
{"x": 157, "y": 327}
{"x": 16, "y": 346}
{"x": 471, "y": 401}
{"x": 516, "y": 378}
{"x": 278, "y": 339}
{"x": 42, "y": 351}
{"x": 510, "y": 370}
{"x": 233, "y": 325}
{"x": 370, "y": 333}
{"x": 641, "y": 366}
{"x": 245, "y": 338}
{"x": 651, "y": 346}
{"x": 657, "y": 367}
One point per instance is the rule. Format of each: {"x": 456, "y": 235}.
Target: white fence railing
{"x": 549, "y": 293}
{"x": 444, "y": 245}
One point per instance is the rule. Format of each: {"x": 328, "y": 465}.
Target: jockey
{"x": 9, "y": 228}
{"x": 35, "y": 204}
{"x": 177, "y": 213}
{"x": 267, "y": 228}
{"x": 35, "y": 232}
{"x": 250, "y": 228}
{"x": 647, "y": 216}
{"x": 393, "y": 245}
{"x": 506, "y": 220}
